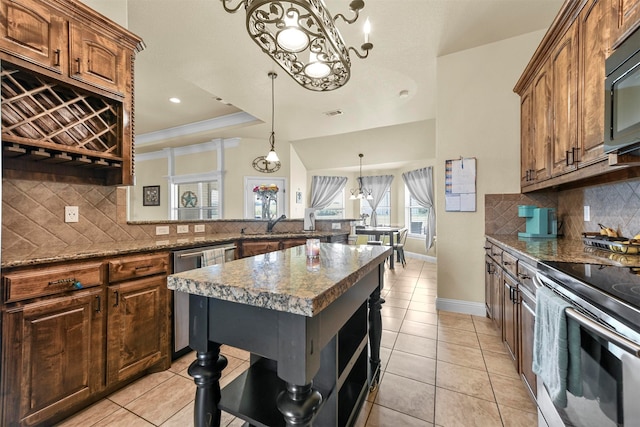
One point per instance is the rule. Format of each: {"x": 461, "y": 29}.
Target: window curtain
{"x": 420, "y": 185}
{"x": 378, "y": 185}
{"x": 324, "y": 189}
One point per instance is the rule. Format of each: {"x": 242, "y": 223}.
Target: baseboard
{"x": 427, "y": 258}
{"x": 459, "y": 306}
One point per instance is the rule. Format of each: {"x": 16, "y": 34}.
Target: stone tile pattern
{"x": 438, "y": 369}
{"x": 282, "y": 280}
{"x": 615, "y": 205}
{"x": 33, "y": 218}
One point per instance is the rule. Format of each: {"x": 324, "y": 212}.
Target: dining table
{"x": 378, "y": 231}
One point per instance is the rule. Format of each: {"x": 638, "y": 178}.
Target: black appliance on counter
{"x": 622, "y": 98}
{"x": 606, "y": 305}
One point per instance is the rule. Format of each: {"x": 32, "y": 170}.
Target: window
{"x": 416, "y": 216}
{"x": 335, "y": 210}
{"x": 274, "y": 192}
{"x": 383, "y": 211}
{"x": 195, "y": 200}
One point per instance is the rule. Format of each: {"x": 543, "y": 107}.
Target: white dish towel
{"x": 213, "y": 257}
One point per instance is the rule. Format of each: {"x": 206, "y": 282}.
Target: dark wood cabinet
{"x": 493, "y": 282}
{"x": 510, "y": 318}
{"x": 624, "y": 19}
{"x": 259, "y": 247}
{"x": 74, "y": 331}
{"x": 67, "y": 93}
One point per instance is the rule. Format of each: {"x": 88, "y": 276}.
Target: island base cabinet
{"x": 52, "y": 356}
{"x": 136, "y": 335}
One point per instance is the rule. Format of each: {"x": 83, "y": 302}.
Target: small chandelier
{"x": 360, "y": 192}
{"x": 272, "y": 156}
{"x": 301, "y": 36}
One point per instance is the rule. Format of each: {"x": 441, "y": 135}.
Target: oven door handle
{"x": 604, "y": 332}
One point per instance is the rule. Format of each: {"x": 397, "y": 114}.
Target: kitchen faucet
{"x": 271, "y": 223}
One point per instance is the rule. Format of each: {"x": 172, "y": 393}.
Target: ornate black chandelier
{"x": 301, "y": 36}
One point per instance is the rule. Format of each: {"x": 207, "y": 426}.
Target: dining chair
{"x": 399, "y": 246}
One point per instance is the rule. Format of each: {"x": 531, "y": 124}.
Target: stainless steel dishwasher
{"x": 184, "y": 260}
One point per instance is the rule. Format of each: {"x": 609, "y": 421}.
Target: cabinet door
{"x": 96, "y": 59}
{"x": 52, "y": 356}
{"x": 31, "y": 31}
{"x": 290, "y": 243}
{"x": 541, "y": 124}
{"x": 137, "y": 326}
{"x": 509, "y": 321}
{"x": 564, "y": 60}
{"x": 625, "y": 19}
{"x": 527, "y": 157}
{"x": 496, "y": 296}
{"x": 594, "y": 49}
{"x": 259, "y": 247}
{"x": 527, "y": 323}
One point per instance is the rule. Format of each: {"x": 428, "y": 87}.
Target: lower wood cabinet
{"x": 70, "y": 336}
{"x": 52, "y": 356}
{"x": 259, "y": 247}
{"x": 527, "y": 323}
{"x": 510, "y": 315}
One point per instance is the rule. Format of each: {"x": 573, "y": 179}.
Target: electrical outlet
{"x": 587, "y": 213}
{"x": 162, "y": 229}
{"x": 335, "y": 226}
{"x": 183, "y": 229}
{"x": 71, "y": 214}
{"x": 198, "y": 228}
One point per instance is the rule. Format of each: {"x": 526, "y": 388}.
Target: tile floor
{"x": 440, "y": 368}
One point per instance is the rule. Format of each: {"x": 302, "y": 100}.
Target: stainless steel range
{"x": 606, "y": 305}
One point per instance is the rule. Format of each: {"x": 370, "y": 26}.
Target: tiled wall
{"x": 33, "y": 216}
{"x": 615, "y": 205}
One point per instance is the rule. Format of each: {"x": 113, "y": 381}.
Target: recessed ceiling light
{"x": 175, "y": 100}
{"x": 404, "y": 94}
{"x": 333, "y": 113}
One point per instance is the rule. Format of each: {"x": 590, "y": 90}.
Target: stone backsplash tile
{"x": 501, "y": 211}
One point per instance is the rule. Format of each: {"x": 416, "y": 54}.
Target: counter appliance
{"x": 183, "y": 260}
{"x": 605, "y": 304}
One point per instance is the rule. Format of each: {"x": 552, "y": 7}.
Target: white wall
{"x": 478, "y": 115}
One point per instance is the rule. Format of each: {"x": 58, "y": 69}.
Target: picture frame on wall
{"x": 151, "y": 195}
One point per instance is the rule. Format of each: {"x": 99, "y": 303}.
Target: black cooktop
{"x": 614, "y": 289}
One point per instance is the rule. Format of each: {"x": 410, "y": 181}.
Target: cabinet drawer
{"x": 22, "y": 285}
{"x": 510, "y": 263}
{"x": 137, "y": 266}
{"x": 526, "y": 273}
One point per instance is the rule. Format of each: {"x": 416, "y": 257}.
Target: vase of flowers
{"x": 266, "y": 194}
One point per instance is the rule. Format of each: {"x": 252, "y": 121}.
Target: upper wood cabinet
{"x": 570, "y": 64}
{"x": 624, "y": 20}
{"x": 67, "y": 93}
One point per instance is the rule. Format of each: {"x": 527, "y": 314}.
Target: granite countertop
{"x": 563, "y": 250}
{"x": 48, "y": 254}
{"x": 282, "y": 280}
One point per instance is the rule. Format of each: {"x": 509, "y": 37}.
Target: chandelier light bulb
{"x": 316, "y": 68}
{"x": 292, "y": 39}
{"x": 367, "y": 30}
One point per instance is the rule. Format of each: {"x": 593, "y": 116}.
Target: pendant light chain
{"x": 272, "y": 156}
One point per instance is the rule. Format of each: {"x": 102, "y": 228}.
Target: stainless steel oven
{"x": 603, "y": 303}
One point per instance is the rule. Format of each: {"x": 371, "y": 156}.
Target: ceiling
{"x": 201, "y": 54}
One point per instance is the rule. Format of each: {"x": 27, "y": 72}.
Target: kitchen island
{"x": 309, "y": 324}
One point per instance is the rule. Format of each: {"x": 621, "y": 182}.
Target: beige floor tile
{"x": 396, "y": 312}
{"x": 396, "y": 302}
{"x": 235, "y": 352}
{"x": 425, "y": 347}
{"x": 486, "y": 326}
{"x": 422, "y": 291}
{"x": 380, "y": 416}
{"x": 184, "y": 418}
{"x": 399, "y": 295}
{"x": 154, "y": 405}
{"x": 391, "y": 323}
{"x": 91, "y": 415}
{"x": 361, "y": 421}
{"x": 423, "y": 297}
{"x": 460, "y": 355}
{"x": 402, "y": 287}
{"x": 123, "y": 418}
{"x": 424, "y": 330}
{"x": 412, "y": 366}
{"x": 512, "y": 417}
{"x": 230, "y": 375}
{"x": 458, "y": 336}
{"x": 408, "y": 396}
{"x": 385, "y": 354}
{"x": 473, "y": 382}
{"x": 456, "y": 409}
{"x": 136, "y": 389}
{"x": 492, "y": 343}
{"x": 500, "y": 363}
{"x": 422, "y": 317}
{"x": 429, "y": 307}
{"x": 183, "y": 362}
{"x": 456, "y": 321}
{"x": 388, "y": 339}
{"x": 511, "y": 392}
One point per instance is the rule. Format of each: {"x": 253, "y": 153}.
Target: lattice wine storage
{"x": 49, "y": 127}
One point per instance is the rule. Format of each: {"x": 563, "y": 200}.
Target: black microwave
{"x": 622, "y": 98}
